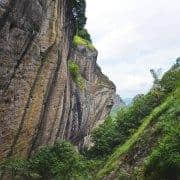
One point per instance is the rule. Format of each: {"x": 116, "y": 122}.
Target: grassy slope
{"x": 114, "y": 162}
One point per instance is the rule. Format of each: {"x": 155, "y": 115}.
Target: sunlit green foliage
{"x": 104, "y": 139}
{"x": 80, "y": 41}
{"x": 171, "y": 79}
{"x": 112, "y": 163}
{"x": 75, "y": 73}
{"x": 60, "y": 161}
{"x": 164, "y": 162}
{"x": 161, "y": 107}
{"x": 83, "y": 33}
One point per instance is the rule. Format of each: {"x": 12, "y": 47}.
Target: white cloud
{"x": 132, "y": 37}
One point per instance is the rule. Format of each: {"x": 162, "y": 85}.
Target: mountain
{"x": 118, "y": 103}
{"x": 55, "y": 104}
{"x": 128, "y": 101}
{"x": 51, "y": 87}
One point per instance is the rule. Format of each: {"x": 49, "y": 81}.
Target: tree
{"x": 79, "y": 9}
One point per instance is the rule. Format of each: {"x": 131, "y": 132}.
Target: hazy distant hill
{"x": 118, "y": 103}
{"x": 128, "y": 101}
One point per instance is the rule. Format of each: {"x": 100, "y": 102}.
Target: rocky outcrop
{"x": 39, "y": 101}
{"x": 118, "y": 103}
{"x": 92, "y": 103}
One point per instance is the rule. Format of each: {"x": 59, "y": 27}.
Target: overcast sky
{"x": 133, "y": 36}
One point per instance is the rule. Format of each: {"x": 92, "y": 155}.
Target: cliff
{"x": 118, "y": 103}
{"x": 40, "y": 102}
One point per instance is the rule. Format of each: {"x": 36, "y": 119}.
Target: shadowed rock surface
{"x": 39, "y": 101}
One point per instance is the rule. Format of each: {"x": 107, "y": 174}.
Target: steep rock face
{"x": 118, "y": 103}
{"x": 39, "y": 103}
{"x": 92, "y": 103}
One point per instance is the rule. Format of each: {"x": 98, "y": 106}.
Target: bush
{"x": 79, "y": 8}
{"x": 104, "y": 139}
{"x": 74, "y": 70}
{"x": 75, "y": 73}
{"x": 83, "y": 33}
{"x": 83, "y": 42}
{"x": 14, "y": 167}
{"x": 60, "y": 160}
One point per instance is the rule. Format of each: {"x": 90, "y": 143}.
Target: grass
{"x": 80, "y": 41}
{"x": 113, "y": 162}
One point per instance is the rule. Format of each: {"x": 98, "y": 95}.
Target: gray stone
{"x": 39, "y": 101}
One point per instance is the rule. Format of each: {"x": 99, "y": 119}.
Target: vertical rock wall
{"x": 39, "y": 102}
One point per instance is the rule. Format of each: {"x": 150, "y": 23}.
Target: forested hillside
{"x": 55, "y": 104}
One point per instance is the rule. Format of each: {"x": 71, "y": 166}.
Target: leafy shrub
{"x": 75, "y": 73}
{"x": 83, "y": 42}
{"x": 104, "y": 139}
{"x": 60, "y": 160}
{"x": 14, "y": 167}
{"x": 83, "y": 33}
{"x": 79, "y": 8}
{"x": 74, "y": 70}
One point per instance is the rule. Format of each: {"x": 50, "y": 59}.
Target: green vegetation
{"x": 80, "y": 41}
{"x": 164, "y": 161}
{"x": 113, "y": 162}
{"x": 155, "y": 113}
{"x": 79, "y": 8}
{"x": 82, "y": 37}
{"x": 171, "y": 79}
{"x": 141, "y": 142}
{"x": 60, "y": 161}
{"x": 75, "y": 73}
{"x": 113, "y": 133}
{"x": 14, "y": 167}
{"x": 83, "y": 33}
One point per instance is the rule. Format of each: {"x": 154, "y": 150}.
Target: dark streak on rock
{"x": 37, "y": 139}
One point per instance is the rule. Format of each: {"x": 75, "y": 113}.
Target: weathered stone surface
{"x": 118, "y": 103}
{"x": 39, "y": 102}
{"x": 93, "y": 103}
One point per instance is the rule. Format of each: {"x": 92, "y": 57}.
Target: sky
{"x": 132, "y": 37}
